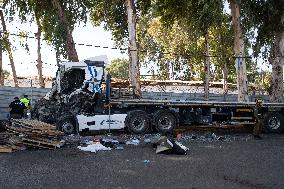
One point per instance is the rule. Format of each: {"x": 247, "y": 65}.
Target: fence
{"x": 7, "y": 95}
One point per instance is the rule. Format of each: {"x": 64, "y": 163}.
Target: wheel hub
{"x": 68, "y": 127}
{"x": 274, "y": 123}
{"x": 138, "y": 124}
{"x": 165, "y": 123}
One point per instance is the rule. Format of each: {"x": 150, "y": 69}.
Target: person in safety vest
{"x": 26, "y": 102}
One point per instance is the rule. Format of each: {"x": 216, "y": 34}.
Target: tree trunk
{"x": 239, "y": 50}
{"x": 39, "y": 60}
{"x": 206, "y": 67}
{"x": 277, "y": 61}
{"x": 57, "y": 55}
{"x": 8, "y": 48}
{"x": 2, "y": 77}
{"x": 134, "y": 70}
{"x": 70, "y": 45}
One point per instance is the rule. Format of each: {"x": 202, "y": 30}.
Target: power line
{"x": 139, "y": 50}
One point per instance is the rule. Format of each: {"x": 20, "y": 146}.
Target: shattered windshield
{"x": 71, "y": 80}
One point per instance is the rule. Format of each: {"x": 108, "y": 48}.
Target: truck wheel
{"x": 164, "y": 121}
{"x": 67, "y": 125}
{"x": 137, "y": 121}
{"x": 273, "y": 122}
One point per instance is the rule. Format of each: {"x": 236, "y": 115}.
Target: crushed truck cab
{"x": 75, "y": 77}
{"x": 80, "y": 100}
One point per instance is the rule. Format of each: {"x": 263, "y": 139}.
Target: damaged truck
{"x": 81, "y": 100}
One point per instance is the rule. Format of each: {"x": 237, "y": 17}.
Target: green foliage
{"x": 118, "y": 68}
{"x": 54, "y": 31}
{"x": 170, "y": 37}
{"x": 112, "y": 14}
{"x": 263, "y": 18}
{"x": 6, "y": 73}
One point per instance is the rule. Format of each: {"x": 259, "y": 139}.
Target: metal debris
{"x": 134, "y": 142}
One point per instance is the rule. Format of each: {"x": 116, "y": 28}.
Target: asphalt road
{"x": 236, "y": 164}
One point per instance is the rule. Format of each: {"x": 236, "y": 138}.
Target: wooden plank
{"x": 6, "y": 150}
{"x": 45, "y": 142}
{"x": 34, "y": 124}
{"x": 37, "y": 146}
{"x": 49, "y": 133}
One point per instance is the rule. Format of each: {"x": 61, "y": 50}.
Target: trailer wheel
{"x": 137, "y": 121}
{"x": 164, "y": 121}
{"x": 273, "y": 122}
{"x": 67, "y": 124}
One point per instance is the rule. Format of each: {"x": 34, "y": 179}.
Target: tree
{"x": 57, "y": 19}
{"x": 35, "y": 8}
{"x": 200, "y": 16}
{"x": 134, "y": 70}
{"x": 267, "y": 17}
{"x": 67, "y": 28}
{"x": 6, "y": 45}
{"x": 1, "y": 61}
{"x": 6, "y": 73}
{"x": 39, "y": 59}
{"x": 119, "y": 16}
{"x": 118, "y": 68}
{"x": 173, "y": 42}
{"x": 239, "y": 51}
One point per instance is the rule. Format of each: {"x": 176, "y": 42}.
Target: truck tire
{"x": 67, "y": 124}
{"x": 137, "y": 121}
{"x": 273, "y": 122}
{"x": 164, "y": 121}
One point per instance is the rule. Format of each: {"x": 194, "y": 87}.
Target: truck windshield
{"x": 72, "y": 80}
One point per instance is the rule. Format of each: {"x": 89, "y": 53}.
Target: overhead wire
{"x": 126, "y": 48}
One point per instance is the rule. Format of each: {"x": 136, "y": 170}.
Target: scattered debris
{"x": 72, "y": 139}
{"x": 147, "y": 140}
{"x": 133, "y": 141}
{"x": 94, "y": 147}
{"x": 119, "y": 148}
{"x": 146, "y": 161}
{"x": 8, "y": 143}
{"x": 109, "y": 142}
{"x": 34, "y": 134}
{"x": 169, "y": 146}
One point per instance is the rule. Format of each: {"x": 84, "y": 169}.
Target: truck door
{"x": 101, "y": 122}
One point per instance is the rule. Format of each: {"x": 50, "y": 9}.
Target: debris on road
{"x": 133, "y": 141}
{"x": 94, "y": 147}
{"x": 207, "y": 137}
{"x": 109, "y": 142}
{"x": 119, "y": 148}
{"x": 7, "y": 143}
{"x": 169, "y": 146}
{"x": 146, "y": 161}
{"x": 33, "y": 134}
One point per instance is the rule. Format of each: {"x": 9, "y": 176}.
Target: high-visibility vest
{"x": 26, "y": 102}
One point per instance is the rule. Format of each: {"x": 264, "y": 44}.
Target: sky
{"x": 83, "y": 34}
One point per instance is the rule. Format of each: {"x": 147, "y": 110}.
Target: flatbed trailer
{"x": 141, "y": 115}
